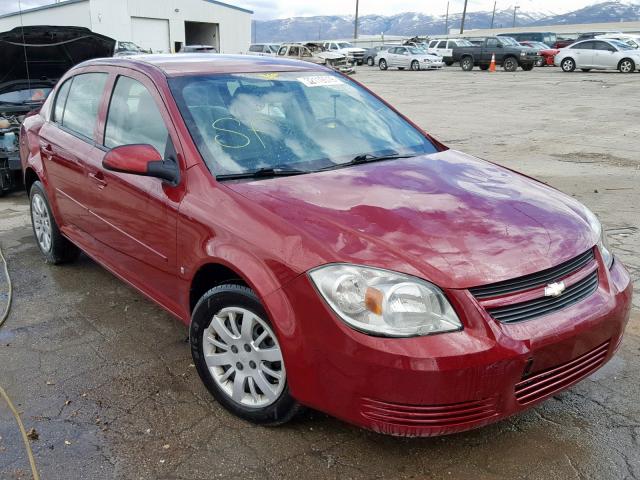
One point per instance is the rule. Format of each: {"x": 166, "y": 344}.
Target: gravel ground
{"x": 105, "y": 377}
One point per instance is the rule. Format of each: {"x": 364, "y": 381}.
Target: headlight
{"x": 384, "y": 303}
{"x": 603, "y": 244}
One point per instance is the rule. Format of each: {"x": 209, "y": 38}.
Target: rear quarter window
{"x": 61, "y": 99}
{"x": 83, "y": 101}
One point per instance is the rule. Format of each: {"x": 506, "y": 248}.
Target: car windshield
{"x": 509, "y": 41}
{"x": 344, "y": 45}
{"x": 27, "y": 95}
{"x": 242, "y": 123}
{"x": 621, "y": 45}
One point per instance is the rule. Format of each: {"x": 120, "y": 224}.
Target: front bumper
{"x": 431, "y": 65}
{"x": 446, "y": 383}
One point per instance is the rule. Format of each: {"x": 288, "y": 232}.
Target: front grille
{"x": 428, "y": 415}
{"x": 518, "y": 312}
{"x": 534, "y": 280}
{"x": 546, "y": 383}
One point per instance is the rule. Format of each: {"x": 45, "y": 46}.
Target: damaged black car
{"x": 32, "y": 59}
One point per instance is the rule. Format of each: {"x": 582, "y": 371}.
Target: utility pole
{"x": 515, "y": 9}
{"x": 355, "y": 28}
{"x": 464, "y": 14}
{"x": 446, "y": 21}
{"x": 494, "y": 14}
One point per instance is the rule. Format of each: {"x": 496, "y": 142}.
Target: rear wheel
{"x": 415, "y": 65}
{"x": 568, "y": 65}
{"x": 527, "y": 67}
{"x": 382, "y": 64}
{"x": 510, "y": 64}
{"x": 627, "y": 65}
{"x": 238, "y": 357}
{"x": 466, "y": 64}
{"x": 540, "y": 62}
{"x": 484, "y": 67}
{"x": 448, "y": 63}
{"x": 55, "y": 248}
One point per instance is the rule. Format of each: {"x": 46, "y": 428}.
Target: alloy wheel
{"x": 244, "y": 357}
{"x": 568, "y": 65}
{"x": 41, "y": 222}
{"x": 626, "y": 66}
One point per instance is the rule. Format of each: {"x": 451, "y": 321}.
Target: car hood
{"x": 352, "y": 50}
{"x": 428, "y": 56}
{"x": 50, "y": 51}
{"x": 329, "y": 55}
{"x": 448, "y": 217}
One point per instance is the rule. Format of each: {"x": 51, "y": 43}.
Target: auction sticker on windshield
{"x": 320, "y": 80}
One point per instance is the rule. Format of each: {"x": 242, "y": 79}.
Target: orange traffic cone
{"x": 492, "y": 65}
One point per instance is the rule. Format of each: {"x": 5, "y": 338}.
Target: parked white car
{"x": 408, "y": 57}
{"x": 599, "y": 54}
{"x": 353, "y": 54}
{"x": 264, "y": 49}
{"x": 444, "y": 47}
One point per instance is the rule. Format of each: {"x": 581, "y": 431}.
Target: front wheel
{"x": 568, "y": 65}
{"x": 540, "y": 62}
{"x": 415, "y": 65}
{"x": 238, "y": 356}
{"x": 627, "y": 66}
{"x": 382, "y": 64}
{"x": 510, "y": 64}
{"x": 370, "y": 62}
{"x": 466, "y": 64}
{"x": 55, "y": 248}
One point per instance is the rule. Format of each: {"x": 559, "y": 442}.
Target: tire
{"x": 527, "y": 67}
{"x": 627, "y": 65}
{"x": 466, "y": 63}
{"x": 415, "y": 65}
{"x": 400, "y": 68}
{"x": 541, "y": 62}
{"x": 585, "y": 69}
{"x": 448, "y": 63}
{"x": 247, "y": 398}
{"x": 484, "y": 68}
{"x": 510, "y": 64}
{"x": 370, "y": 61}
{"x": 382, "y": 64}
{"x": 55, "y": 248}
{"x": 568, "y": 64}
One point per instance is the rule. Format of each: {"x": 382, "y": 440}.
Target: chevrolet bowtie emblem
{"x": 554, "y": 289}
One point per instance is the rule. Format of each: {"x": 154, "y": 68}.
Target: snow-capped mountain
{"x": 413, "y": 23}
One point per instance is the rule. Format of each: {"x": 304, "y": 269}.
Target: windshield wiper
{"x": 368, "y": 158}
{"x": 266, "y": 172}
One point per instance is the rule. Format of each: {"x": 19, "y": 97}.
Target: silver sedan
{"x": 598, "y": 54}
{"x": 408, "y": 57}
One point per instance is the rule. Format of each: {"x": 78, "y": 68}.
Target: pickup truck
{"x": 509, "y": 54}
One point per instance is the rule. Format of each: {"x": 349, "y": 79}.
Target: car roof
{"x": 172, "y": 65}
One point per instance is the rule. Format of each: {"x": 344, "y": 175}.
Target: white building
{"x": 159, "y": 25}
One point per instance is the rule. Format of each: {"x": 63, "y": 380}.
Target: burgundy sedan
{"x": 547, "y": 54}
{"x": 323, "y": 250}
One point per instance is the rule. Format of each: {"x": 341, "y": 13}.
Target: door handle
{"x": 98, "y": 178}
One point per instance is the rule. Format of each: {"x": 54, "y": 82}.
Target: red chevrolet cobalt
{"x": 322, "y": 248}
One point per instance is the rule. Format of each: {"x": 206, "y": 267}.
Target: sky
{"x": 268, "y": 9}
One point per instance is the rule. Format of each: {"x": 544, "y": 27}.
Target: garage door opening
{"x": 200, "y": 33}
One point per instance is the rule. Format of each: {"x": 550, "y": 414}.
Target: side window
{"x": 603, "y": 46}
{"x": 255, "y": 48}
{"x": 583, "y": 46}
{"x": 294, "y": 51}
{"x": 83, "y": 101}
{"x": 492, "y": 42}
{"x": 134, "y": 117}
{"x": 282, "y": 51}
{"x": 442, "y": 44}
{"x": 61, "y": 99}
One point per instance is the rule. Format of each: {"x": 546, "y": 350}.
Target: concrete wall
{"x": 113, "y": 18}
{"x": 72, "y": 14}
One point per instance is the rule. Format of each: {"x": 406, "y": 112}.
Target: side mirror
{"x": 140, "y": 160}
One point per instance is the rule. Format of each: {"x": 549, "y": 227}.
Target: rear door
{"x": 67, "y": 140}
{"x": 582, "y": 53}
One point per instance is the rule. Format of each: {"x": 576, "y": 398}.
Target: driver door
{"x": 604, "y": 55}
